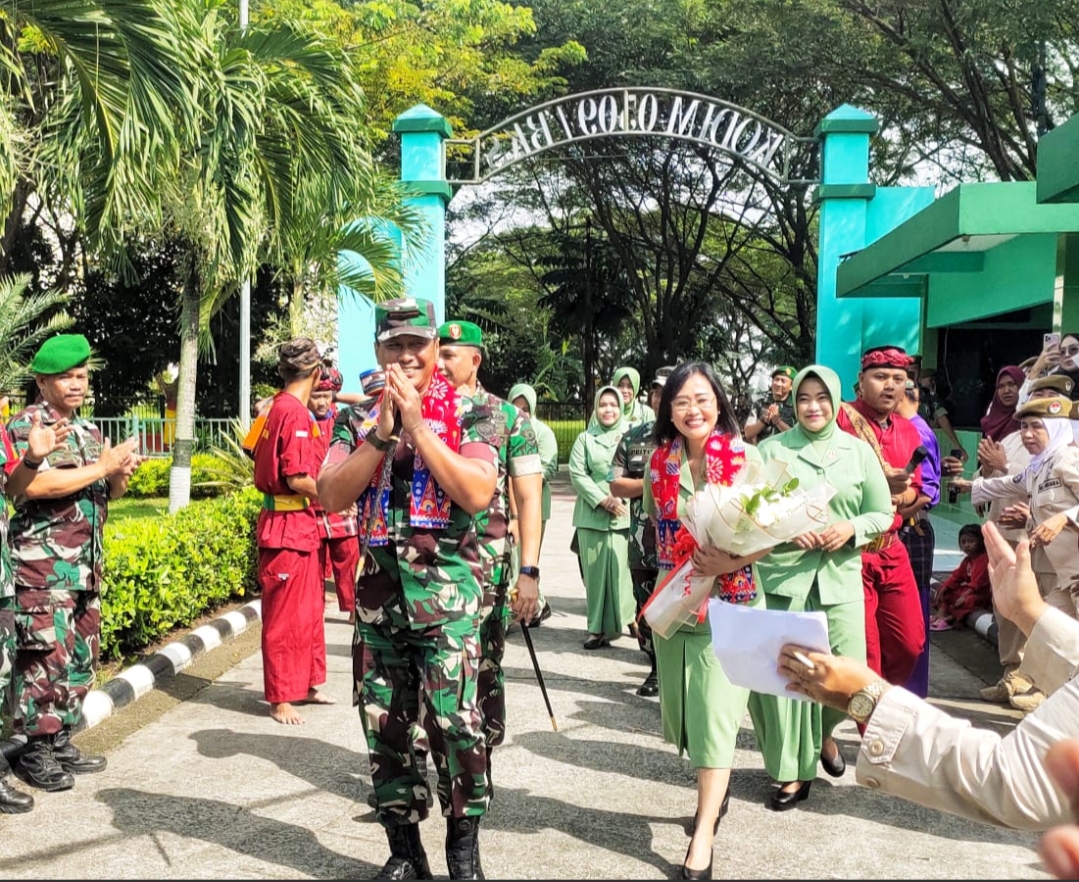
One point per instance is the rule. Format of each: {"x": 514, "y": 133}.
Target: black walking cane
{"x": 539, "y": 674}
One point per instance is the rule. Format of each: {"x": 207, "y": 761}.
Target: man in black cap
{"x": 57, "y": 536}
{"x": 775, "y": 412}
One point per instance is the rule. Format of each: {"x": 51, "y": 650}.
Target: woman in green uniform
{"x": 602, "y": 523}
{"x": 702, "y": 711}
{"x": 818, "y": 571}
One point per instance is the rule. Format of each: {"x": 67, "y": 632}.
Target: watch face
{"x": 861, "y": 706}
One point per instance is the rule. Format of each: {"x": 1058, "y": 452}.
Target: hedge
{"x": 565, "y": 432}
{"x": 152, "y": 478}
{"x": 164, "y": 573}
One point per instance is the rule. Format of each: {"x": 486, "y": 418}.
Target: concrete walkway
{"x": 202, "y": 784}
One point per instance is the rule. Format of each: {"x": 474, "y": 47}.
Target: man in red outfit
{"x": 894, "y": 626}
{"x": 287, "y": 460}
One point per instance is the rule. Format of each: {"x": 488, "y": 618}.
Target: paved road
{"x": 202, "y": 784}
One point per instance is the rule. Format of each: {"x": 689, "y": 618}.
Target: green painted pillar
{"x": 843, "y": 193}
{"x": 423, "y": 170}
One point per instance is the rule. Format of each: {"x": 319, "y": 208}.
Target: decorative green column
{"x": 423, "y": 171}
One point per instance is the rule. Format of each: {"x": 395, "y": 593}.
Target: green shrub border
{"x": 152, "y": 478}
{"x": 164, "y": 573}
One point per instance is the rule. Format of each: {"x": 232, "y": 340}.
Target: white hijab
{"x": 1060, "y": 435}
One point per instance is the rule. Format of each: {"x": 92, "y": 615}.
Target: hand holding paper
{"x": 748, "y": 641}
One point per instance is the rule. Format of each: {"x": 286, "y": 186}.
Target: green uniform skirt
{"x": 607, "y": 583}
{"x": 789, "y": 731}
{"x": 702, "y": 710}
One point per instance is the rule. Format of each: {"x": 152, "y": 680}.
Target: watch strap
{"x": 376, "y": 442}
{"x": 531, "y": 572}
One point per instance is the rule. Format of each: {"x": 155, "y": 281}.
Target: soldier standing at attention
{"x": 628, "y": 470}
{"x": 287, "y": 461}
{"x": 57, "y": 537}
{"x": 519, "y": 466}
{"x": 421, "y": 468}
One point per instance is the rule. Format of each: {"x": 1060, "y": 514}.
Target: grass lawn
{"x": 126, "y": 509}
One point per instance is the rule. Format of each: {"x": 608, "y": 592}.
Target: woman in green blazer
{"x": 818, "y": 571}
{"x": 602, "y": 523}
{"x": 702, "y": 711}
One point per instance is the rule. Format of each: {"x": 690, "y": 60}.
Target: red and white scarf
{"x": 430, "y": 506}
{"x": 724, "y": 456}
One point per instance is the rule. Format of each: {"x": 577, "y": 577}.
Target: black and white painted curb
{"x": 133, "y": 683}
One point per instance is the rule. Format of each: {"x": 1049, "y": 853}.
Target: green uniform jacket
{"x": 589, "y": 467}
{"x": 862, "y": 497}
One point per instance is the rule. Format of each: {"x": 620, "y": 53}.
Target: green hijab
{"x": 523, "y": 390}
{"x": 635, "y": 380}
{"x": 831, "y": 382}
{"x": 606, "y": 436}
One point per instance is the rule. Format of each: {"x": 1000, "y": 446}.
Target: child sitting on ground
{"x": 967, "y": 588}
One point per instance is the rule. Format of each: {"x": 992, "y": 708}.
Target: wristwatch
{"x": 533, "y": 572}
{"x": 376, "y": 442}
{"x": 863, "y": 702}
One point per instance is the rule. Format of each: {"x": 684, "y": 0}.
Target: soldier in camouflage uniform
{"x": 57, "y": 545}
{"x": 520, "y": 469}
{"x": 419, "y": 468}
{"x": 627, "y": 476}
{"x": 15, "y": 476}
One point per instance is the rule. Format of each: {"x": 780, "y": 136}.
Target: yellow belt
{"x": 284, "y": 503}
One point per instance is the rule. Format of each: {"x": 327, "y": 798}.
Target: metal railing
{"x": 156, "y": 434}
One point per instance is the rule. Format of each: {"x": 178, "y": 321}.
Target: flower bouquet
{"x": 763, "y": 507}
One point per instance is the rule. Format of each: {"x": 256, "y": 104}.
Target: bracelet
{"x": 376, "y": 442}
{"x": 31, "y": 465}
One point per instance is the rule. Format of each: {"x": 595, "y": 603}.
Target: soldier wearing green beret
{"x": 57, "y": 549}
{"x": 774, "y": 413}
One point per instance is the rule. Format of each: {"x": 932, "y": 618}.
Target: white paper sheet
{"x": 747, "y": 642}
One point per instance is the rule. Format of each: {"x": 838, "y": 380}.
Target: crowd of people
{"x": 425, "y": 497}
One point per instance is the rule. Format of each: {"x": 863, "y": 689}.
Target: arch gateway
{"x": 853, "y": 212}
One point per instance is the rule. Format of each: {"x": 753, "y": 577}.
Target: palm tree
{"x": 23, "y": 328}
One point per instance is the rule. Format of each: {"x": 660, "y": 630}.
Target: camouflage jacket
{"x": 786, "y": 413}
{"x": 631, "y": 459}
{"x": 8, "y": 460}
{"x": 518, "y": 455}
{"x": 421, "y": 578}
{"x": 58, "y": 543}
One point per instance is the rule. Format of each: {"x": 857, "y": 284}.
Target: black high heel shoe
{"x": 687, "y": 873}
{"x": 834, "y": 767}
{"x": 724, "y": 807}
{"x": 787, "y": 799}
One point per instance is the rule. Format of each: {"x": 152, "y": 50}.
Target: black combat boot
{"x": 72, "y": 760}
{"x": 39, "y": 768}
{"x": 463, "y": 848}
{"x": 407, "y": 860}
{"x": 12, "y": 801}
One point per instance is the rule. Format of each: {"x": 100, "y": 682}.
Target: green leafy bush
{"x": 163, "y": 573}
{"x": 565, "y": 432}
{"x": 152, "y": 478}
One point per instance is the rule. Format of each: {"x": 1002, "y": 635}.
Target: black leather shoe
{"x": 596, "y": 641}
{"x": 787, "y": 799}
{"x": 72, "y": 760}
{"x": 650, "y": 687}
{"x": 544, "y": 615}
{"x": 687, "y": 873}
{"x": 407, "y": 860}
{"x": 724, "y": 807}
{"x": 39, "y": 768}
{"x": 12, "y": 801}
{"x": 834, "y": 767}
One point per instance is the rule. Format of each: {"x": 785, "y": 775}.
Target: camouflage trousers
{"x": 644, "y": 583}
{"x": 58, "y": 634}
{"x": 491, "y": 684}
{"x": 7, "y": 649}
{"x": 417, "y": 689}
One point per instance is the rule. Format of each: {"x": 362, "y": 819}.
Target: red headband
{"x": 890, "y": 357}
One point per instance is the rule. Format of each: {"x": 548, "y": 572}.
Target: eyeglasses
{"x": 701, "y": 402}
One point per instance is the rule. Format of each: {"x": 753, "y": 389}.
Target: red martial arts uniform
{"x": 894, "y": 625}
{"x": 339, "y": 546}
{"x": 293, "y": 601}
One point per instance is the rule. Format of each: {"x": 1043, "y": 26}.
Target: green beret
{"x": 461, "y": 334}
{"x": 61, "y": 353}
{"x": 786, "y": 371}
{"x": 1046, "y": 408}
{"x": 1059, "y": 383}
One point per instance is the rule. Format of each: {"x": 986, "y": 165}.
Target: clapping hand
{"x": 43, "y": 439}
{"x": 121, "y": 459}
{"x": 992, "y": 456}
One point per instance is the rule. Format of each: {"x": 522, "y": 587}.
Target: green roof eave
{"x": 997, "y": 209}
{"x": 1058, "y": 171}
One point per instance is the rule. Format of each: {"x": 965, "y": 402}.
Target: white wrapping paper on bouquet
{"x": 762, "y": 508}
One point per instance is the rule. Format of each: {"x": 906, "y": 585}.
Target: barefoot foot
{"x": 316, "y": 697}
{"x": 285, "y": 713}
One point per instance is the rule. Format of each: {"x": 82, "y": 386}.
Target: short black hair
{"x": 665, "y": 430}
{"x": 974, "y": 530}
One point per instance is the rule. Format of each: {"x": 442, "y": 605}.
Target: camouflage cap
{"x": 61, "y": 353}
{"x": 1046, "y": 408}
{"x": 411, "y": 316}
{"x": 1059, "y": 384}
{"x": 461, "y": 334}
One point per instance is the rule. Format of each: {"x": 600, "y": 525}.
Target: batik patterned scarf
{"x": 430, "y": 506}
{"x": 724, "y": 456}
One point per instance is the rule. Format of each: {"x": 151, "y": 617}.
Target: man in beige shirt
{"x": 917, "y": 751}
